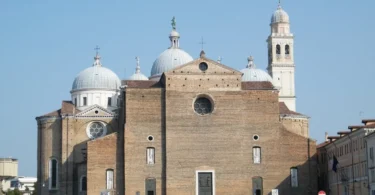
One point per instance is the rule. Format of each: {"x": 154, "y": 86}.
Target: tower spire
{"x": 138, "y": 67}
{"x": 97, "y": 57}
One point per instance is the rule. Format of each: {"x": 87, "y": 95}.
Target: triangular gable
{"x": 213, "y": 68}
{"x": 96, "y": 111}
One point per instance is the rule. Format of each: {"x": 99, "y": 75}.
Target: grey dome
{"x": 280, "y": 16}
{"x": 138, "y": 75}
{"x": 251, "y": 73}
{"x": 96, "y": 77}
{"x": 170, "y": 59}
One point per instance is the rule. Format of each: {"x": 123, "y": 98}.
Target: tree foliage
{"x": 14, "y": 192}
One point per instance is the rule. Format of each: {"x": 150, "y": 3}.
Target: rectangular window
{"x": 294, "y": 177}
{"x": 109, "y": 179}
{"x": 150, "y": 156}
{"x": 256, "y": 155}
{"x": 85, "y": 101}
{"x": 109, "y": 101}
{"x": 53, "y": 174}
{"x": 372, "y": 153}
{"x": 75, "y": 102}
{"x": 372, "y": 175}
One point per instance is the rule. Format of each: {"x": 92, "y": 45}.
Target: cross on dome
{"x": 97, "y": 57}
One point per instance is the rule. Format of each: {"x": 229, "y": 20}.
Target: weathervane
{"x": 173, "y": 23}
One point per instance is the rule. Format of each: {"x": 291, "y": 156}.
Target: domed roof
{"x": 251, "y": 73}
{"x": 138, "y": 75}
{"x": 279, "y": 16}
{"x": 96, "y": 77}
{"x": 172, "y": 57}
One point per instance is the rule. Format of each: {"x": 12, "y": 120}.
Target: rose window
{"x": 96, "y": 130}
{"x": 202, "y": 106}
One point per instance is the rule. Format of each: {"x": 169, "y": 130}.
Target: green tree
{"x": 14, "y": 192}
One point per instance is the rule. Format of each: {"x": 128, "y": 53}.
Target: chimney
{"x": 326, "y": 136}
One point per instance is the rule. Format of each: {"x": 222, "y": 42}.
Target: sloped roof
{"x": 141, "y": 84}
{"x": 67, "y": 107}
{"x": 284, "y": 110}
{"x": 256, "y": 85}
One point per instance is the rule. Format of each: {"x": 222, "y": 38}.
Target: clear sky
{"x": 45, "y": 44}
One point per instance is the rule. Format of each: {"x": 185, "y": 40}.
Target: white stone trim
{"x": 213, "y": 180}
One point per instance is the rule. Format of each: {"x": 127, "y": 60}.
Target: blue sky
{"x": 45, "y": 44}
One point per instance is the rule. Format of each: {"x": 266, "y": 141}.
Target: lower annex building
{"x": 195, "y": 126}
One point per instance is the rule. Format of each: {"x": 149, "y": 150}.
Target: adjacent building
{"x": 194, "y": 126}
{"x": 369, "y": 126}
{"x": 344, "y": 161}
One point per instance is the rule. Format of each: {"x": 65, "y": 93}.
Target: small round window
{"x": 202, "y": 106}
{"x": 203, "y": 66}
{"x": 95, "y": 130}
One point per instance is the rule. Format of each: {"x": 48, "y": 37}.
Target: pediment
{"x": 96, "y": 111}
{"x": 213, "y": 68}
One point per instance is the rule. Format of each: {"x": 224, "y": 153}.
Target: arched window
{"x": 83, "y": 184}
{"x": 256, "y": 154}
{"x": 278, "y": 49}
{"x": 287, "y": 50}
{"x": 109, "y": 179}
{"x": 53, "y": 173}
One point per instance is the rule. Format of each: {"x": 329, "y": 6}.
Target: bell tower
{"x": 281, "y": 57}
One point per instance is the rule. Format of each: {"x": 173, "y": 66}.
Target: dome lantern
{"x": 138, "y": 75}
{"x": 170, "y": 58}
{"x": 251, "y": 73}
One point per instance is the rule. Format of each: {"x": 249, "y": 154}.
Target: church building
{"x": 195, "y": 126}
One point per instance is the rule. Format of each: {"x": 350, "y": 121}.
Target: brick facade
{"x": 184, "y": 142}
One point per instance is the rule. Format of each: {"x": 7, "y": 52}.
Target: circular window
{"x": 202, "y": 106}
{"x": 255, "y": 137}
{"x": 203, "y": 66}
{"x": 95, "y": 130}
{"x": 150, "y": 138}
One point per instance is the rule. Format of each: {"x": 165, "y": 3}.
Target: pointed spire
{"x": 138, "y": 68}
{"x": 250, "y": 62}
{"x": 97, "y": 57}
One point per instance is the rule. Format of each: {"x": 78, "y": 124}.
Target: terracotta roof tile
{"x": 365, "y": 121}
{"x": 252, "y": 85}
{"x": 141, "y": 84}
{"x": 355, "y": 127}
{"x": 343, "y": 132}
{"x": 54, "y": 113}
{"x": 285, "y": 110}
{"x": 323, "y": 144}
